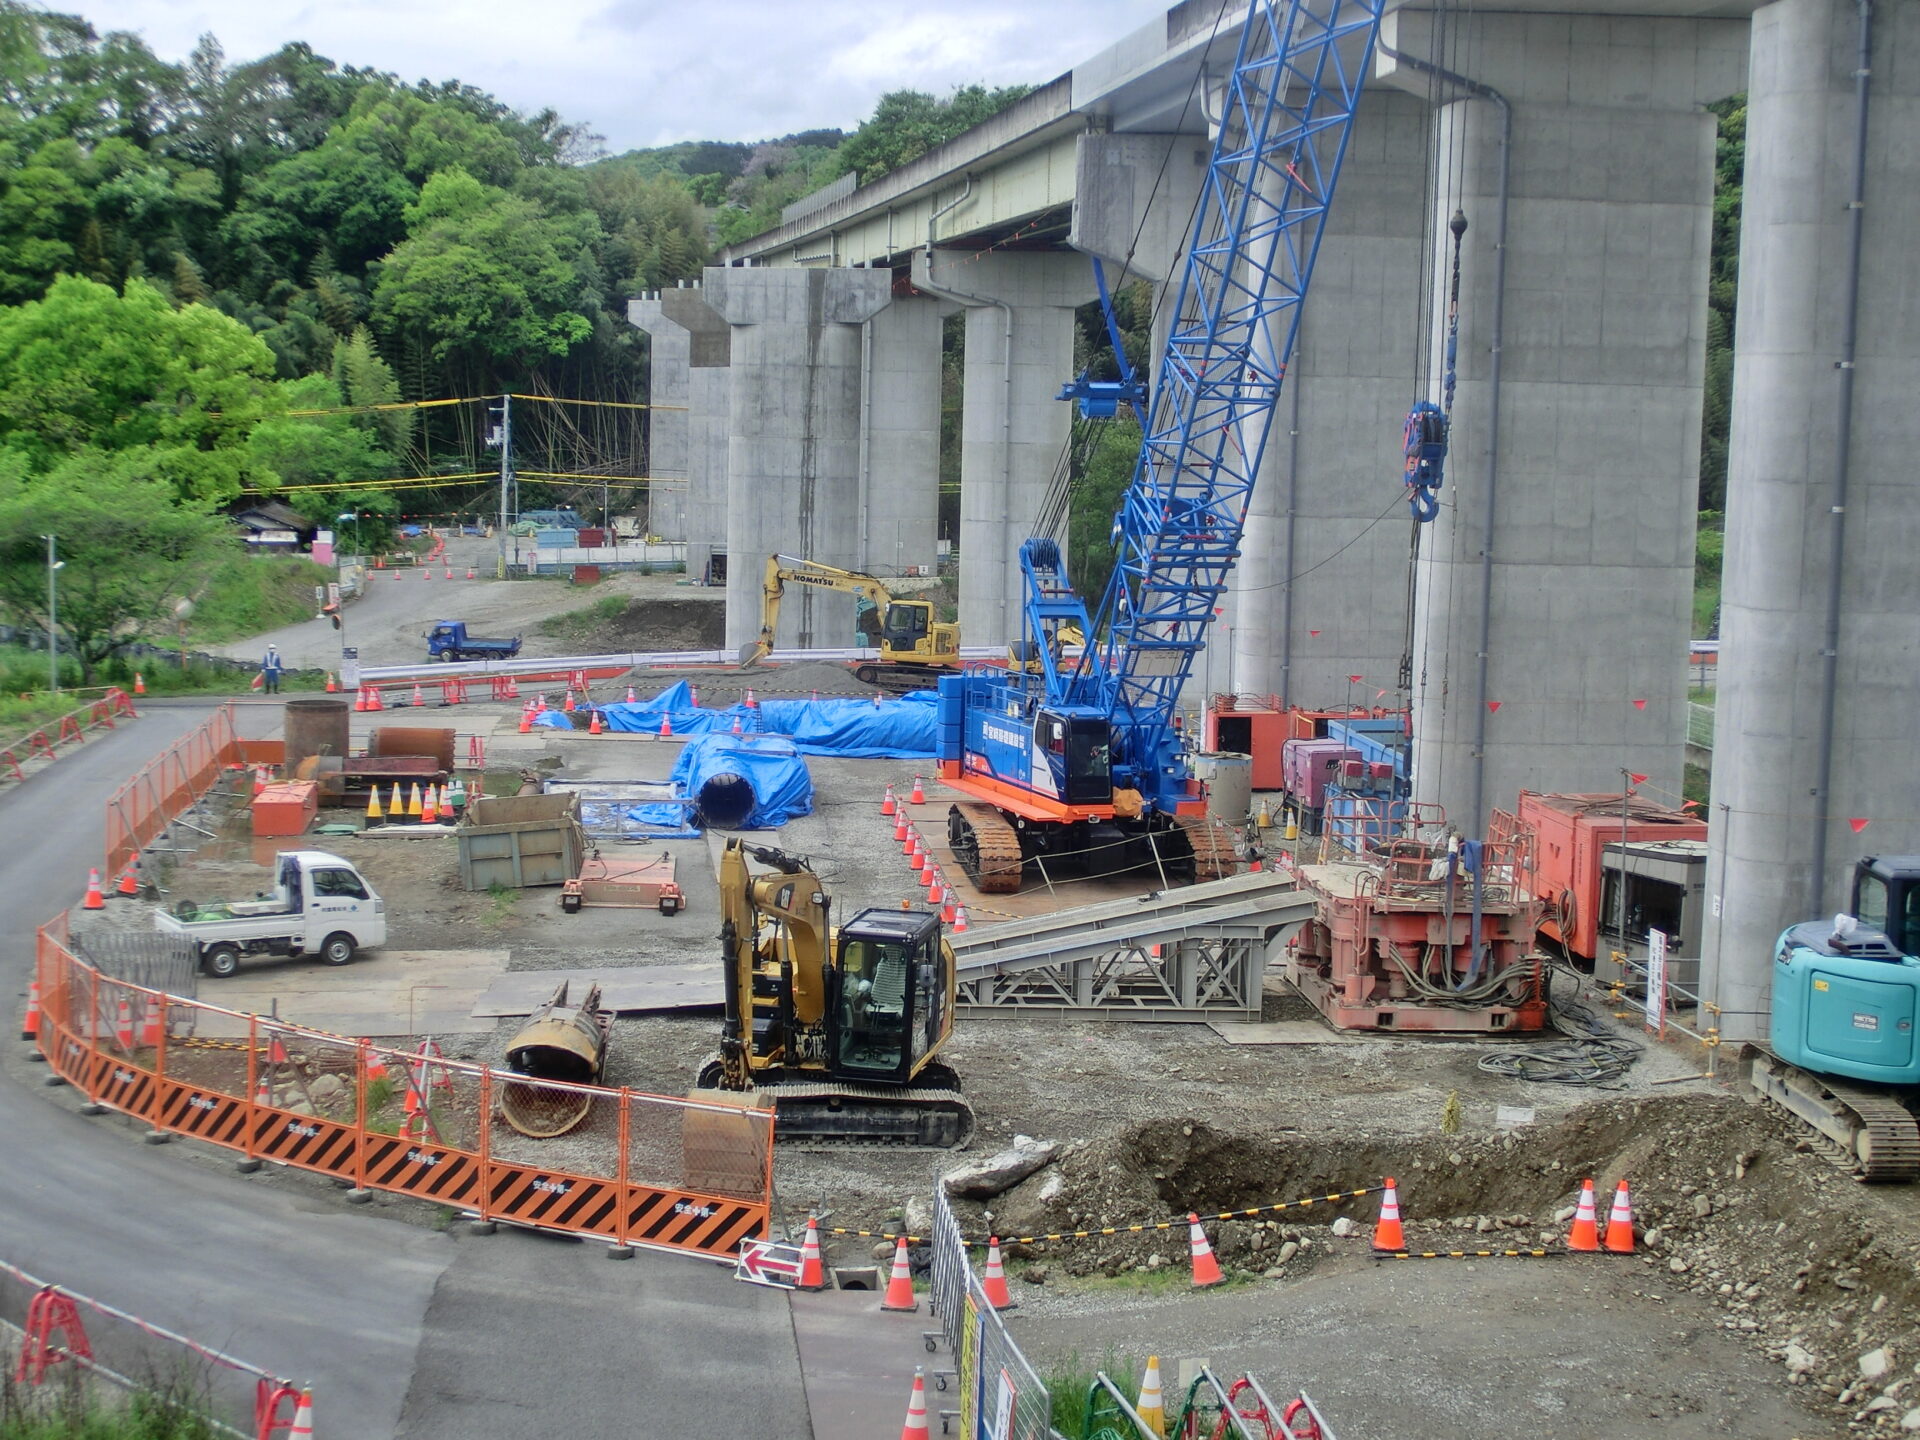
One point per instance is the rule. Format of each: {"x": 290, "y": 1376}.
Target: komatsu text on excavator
{"x": 841, "y": 1026}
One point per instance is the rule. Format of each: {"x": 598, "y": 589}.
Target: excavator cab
{"x": 1886, "y": 897}
{"x": 906, "y": 624}
{"x": 891, "y": 1000}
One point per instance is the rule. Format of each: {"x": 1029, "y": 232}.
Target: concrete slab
{"x": 1282, "y": 1032}
{"x": 383, "y": 993}
{"x": 630, "y": 989}
{"x": 857, "y": 1364}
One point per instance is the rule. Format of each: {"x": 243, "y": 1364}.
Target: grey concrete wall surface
{"x": 1334, "y": 454}
{"x": 900, "y": 468}
{"x": 667, "y": 423}
{"x": 1013, "y": 431}
{"x": 1782, "y": 464}
{"x": 709, "y": 392}
{"x": 1604, "y": 355}
{"x": 793, "y": 453}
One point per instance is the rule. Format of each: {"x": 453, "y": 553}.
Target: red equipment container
{"x": 1571, "y": 834}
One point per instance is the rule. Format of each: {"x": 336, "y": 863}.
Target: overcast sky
{"x": 650, "y": 72}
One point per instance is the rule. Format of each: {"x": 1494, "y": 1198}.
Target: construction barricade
{"x": 998, "y": 1388}
{"x": 72, "y": 728}
{"x": 70, "y": 1344}
{"x": 632, "y": 1169}
{"x": 172, "y": 783}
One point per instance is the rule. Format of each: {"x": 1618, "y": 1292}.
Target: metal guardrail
{"x": 1699, "y": 725}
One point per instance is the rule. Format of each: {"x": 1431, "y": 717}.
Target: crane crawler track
{"x": 986, "y": 847}
{"x": 1214, "y": 855}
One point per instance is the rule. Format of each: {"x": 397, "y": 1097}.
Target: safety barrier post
{"x": 252, "y": 1161}
{"x": 484, "y": 1205}
{"x": 622, "y": 1209}
{"x": 360, "y": 1190}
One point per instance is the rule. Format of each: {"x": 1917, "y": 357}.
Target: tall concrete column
{"x": 1320, "y": 591}
{"x": 793, "y": 471}
{"x": 1013, "y": 431}
{"x": 900, "y": 461}
{"x": 667, "y": 385}
{"x": 686, "y": 332}
{"x": 1783, "y": 463}
{"x": 1590, "y": 484}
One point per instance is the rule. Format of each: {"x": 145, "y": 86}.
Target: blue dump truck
{"x": 448, "y": 640}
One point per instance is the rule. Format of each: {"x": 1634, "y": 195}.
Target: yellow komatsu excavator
{"x": 841, "y": 1026}
{"x": 915, "y": 648}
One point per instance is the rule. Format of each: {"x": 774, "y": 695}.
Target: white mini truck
{"x": 320, "y": 906}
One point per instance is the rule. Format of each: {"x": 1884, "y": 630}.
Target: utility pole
{"x": 53, "y": 621}
{"x": 503, "y": 437}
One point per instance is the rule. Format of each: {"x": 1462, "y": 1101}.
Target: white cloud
{"x": 644, "y": 72}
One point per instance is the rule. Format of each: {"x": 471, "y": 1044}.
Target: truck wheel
{"x": 337, "y": 948}
{"x": 220, "y": 961}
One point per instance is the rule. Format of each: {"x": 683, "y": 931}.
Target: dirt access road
{"x": 388, "y": 624}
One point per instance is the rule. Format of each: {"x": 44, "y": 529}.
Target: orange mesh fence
{"x": 630, "y": 1168}
{"x": 70, "y": 729}
{"x": 167, "y": 787}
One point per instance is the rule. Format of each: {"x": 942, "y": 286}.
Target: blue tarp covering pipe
{"x": 897, "y": 729}
{"x": 735, "y": 782}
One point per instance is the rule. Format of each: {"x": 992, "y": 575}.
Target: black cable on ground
{"x": 1593, "y": 1052}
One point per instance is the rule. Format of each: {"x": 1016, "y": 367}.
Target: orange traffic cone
{"x": 418, "y": 698}
{"x": 994, "y": 1281}
{"x": 887, "y": 806}
{"x": 376, "y": 1068}
{"x": 632, "y": 699}
{"x": 928, "y": 872}
{"x": 302, "y": 1418}
{"x": 259, "y": 781}
{"x": 1151, "y": 1407}
{"x": 936, "y": 892}
{"x": 129, "y": 880}
{"x": 949, "y": 912}
{"x": 526, "y": 721}
{"x": 30, "y": 1025}
{"x": 1387, "y": 1234}
{"x": 916, "y": 857}
{"x": 331, "y": 687}
{"x": 429, "y": 811}
{"x": 449, "y": 574}
{"x": 899, "y": 1294}
{"x": 666, "y": 726}
{"x": 139, "y": 683}
{"x": 470, "y": 572}
{"x": 262, "y": 1091}
{"x": 1585, "y": 1234}
{"x": 960, "y": 920}
{"x": 426, "y": 572}
{"x": 750, "y": 702}
{"x": 374, "y": 702}
{"x": 95, "y": 900}
{"x": 916, "y": 1426}
{"x": 919, "y": 795}
{"x": 813, "y": 1271}
{"x": 1206, "y": 1269}
{"x": 360, "y": 700}
{"x": 569, "y": 707}
{"x": 593, "y": 723}
{"x": 899, "y": 825}
{"x": 736, "y": 724}
{"x": 1620, "y": 1223}
{"x": 513, "y": 688}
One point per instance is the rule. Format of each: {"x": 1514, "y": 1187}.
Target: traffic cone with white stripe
{"x": 899, "y": 826}
{"x": 302, "y": 1418}
{"x": 632, "y": 699}
{"x": 593, "y": 724}
{"x": 919, "y": 795}
{"x": 993, "y": 1281}
{"x": 736, "y": 724}
{"x": 429, "y": 809}
{"x": 360, "y": 700}
{"x": 916, "y": 1426}
{"x": 813, "y": 1271}
{"x": 960, "y": 920}
{"x": 1585, "y": 1234}
{"x": 666, "y": 726}
{"x": 1206, "y": 1269}
{"x": 130, "y": 879}
{"x": 30, "y": 1026}
{"x": 374, "y": 812}
{"x": 418, "y": 698}
{"x": 1619, "y": 1238}
{"x": 95, "y": 900}
{"x": 899, "y": 1294}
{"x": 413, "y": 801}
{"x": 1387, "y": 1234}
{"x": 887, "y": 806}
{"x": 374, "y": 702}
{"x": 1152, "y": 1409}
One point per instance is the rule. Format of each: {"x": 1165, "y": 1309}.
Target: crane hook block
{"x": 1426, "y": 442}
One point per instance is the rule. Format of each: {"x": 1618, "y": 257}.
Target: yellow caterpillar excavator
{"x": 841, "y": 1026}
{"x": 915, "y": 648}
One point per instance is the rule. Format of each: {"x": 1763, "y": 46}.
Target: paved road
{"x": 404, "y": 1331}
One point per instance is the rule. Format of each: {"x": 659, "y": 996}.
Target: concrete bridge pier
{"x": 900, "y": 453}
{"x": 667, "y": 367}
{"x": 1019, "y": 318}
{"x": 1572, "y": 543}
{"x": 793, "y": 472}
{"x": 689, "y": 361}
{"x": 1792, "y": 530}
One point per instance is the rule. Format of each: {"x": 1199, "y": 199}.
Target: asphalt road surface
{"x": 403, "y": 1330}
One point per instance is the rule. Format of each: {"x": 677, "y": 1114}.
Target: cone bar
{"x": 1619, "y": 1238}
{"x": 1585, "y": 1234}
{"x": 1152, "y": 1409}
{"x": 1206, "y": 1269}
{"x": 899, "y": 1294}
{"x": 1387, "y": 1234}
{"x": 994, "y": 1281}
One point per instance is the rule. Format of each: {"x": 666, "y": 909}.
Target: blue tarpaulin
{"x": 897, "y": 729}
{"x": 735, "y": 782}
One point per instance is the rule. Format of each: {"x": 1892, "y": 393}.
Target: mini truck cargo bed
{"x": 321, "y": 906}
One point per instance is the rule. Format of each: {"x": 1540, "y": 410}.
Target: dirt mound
{"x": 652, "y": 625}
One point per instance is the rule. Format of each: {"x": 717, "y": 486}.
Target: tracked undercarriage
{"x": 994, "y": 849}
{"x": 1866, "y": 1132}
{"x": 931, "y": 1112}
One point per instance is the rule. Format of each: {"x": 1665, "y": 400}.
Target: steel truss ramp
{"x": 1198, "y": 953}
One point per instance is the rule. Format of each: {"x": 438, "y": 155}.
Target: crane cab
{"x": 892, "y": 996}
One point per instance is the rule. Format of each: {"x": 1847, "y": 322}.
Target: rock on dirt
{"x": 999, "y": 1173}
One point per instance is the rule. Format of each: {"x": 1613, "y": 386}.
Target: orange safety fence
{"x": 633, "y": 1169}
{"x": 72, "y": 728}
{"x": 174, "y": 781}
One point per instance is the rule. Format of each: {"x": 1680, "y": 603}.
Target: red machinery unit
{"x": 1392, "y": 944}
{"x": 1571, "y": 836}
{"x": 1258, "y": 726}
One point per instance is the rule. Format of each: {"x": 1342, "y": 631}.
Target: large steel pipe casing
{"x": 559, "y": 1042}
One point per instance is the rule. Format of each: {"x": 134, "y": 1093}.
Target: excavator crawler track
{"x": 1868, "y": 1134}
{"x": 986, "y": 847}
{"x": 1214, "y": 855}
{"x": 933, "y": 1114}
{"x": 897, "y": 679}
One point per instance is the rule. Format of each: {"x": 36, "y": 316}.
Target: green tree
{"x": 363, "y": 379}
{"x": 306, "y": 449}
{"x": 1096, "y": 496}
{"x": 89, "y": 370}
{"x": 1723, "y": 284}
{"x": 906, "y": 124}
{"x": 125, "y": 542}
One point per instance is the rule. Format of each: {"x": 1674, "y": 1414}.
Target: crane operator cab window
{"x": 905, "y": 624}
{"x": 887, "y": 1011}
{"x": 1077, "y": 749}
